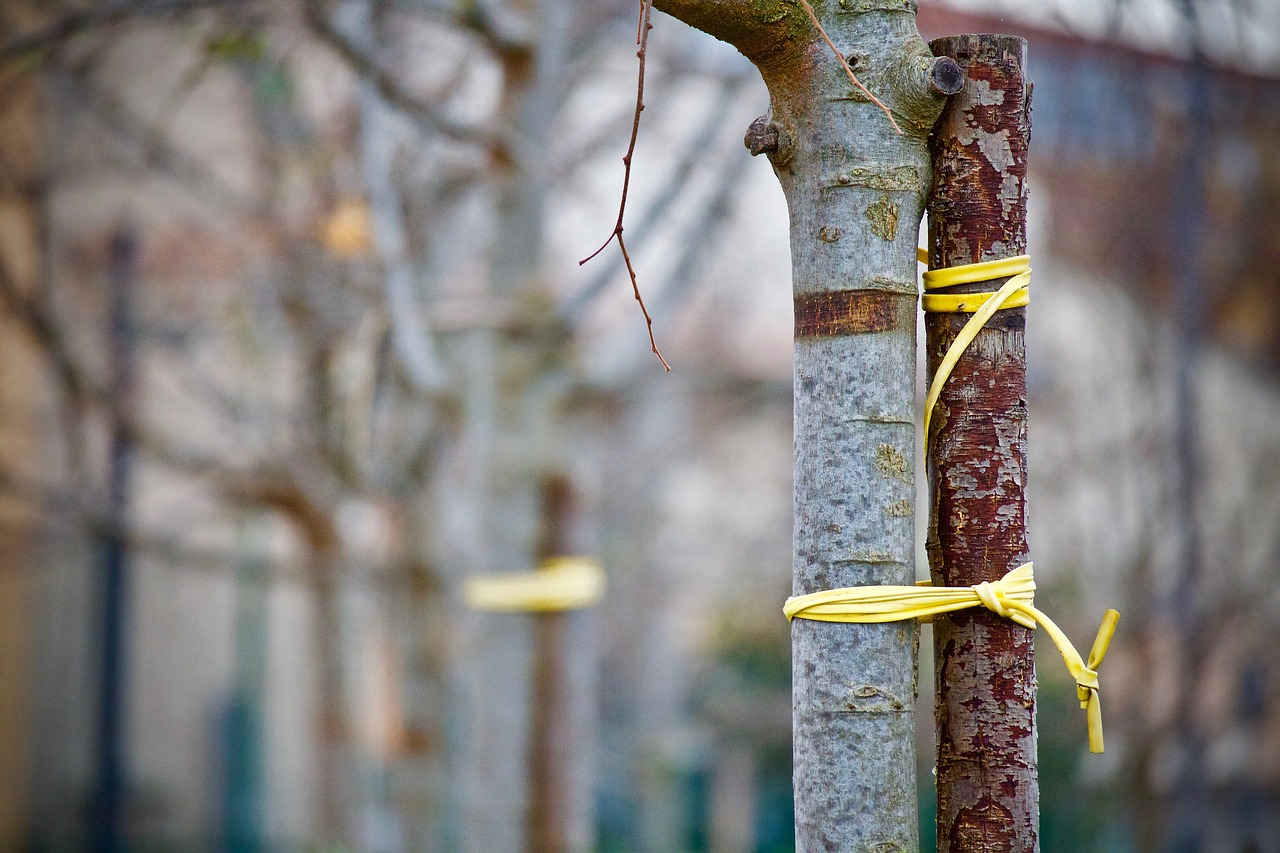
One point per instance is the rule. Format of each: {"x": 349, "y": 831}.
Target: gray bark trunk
{"x": 855, "y": 190}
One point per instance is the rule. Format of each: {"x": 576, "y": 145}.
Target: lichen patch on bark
{"x": 892, "y": 463}
{"x": 901, "y": 509}
{"x": 882, "y": 214}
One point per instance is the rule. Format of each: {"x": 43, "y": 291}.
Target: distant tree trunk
{"x": 112, "y": 737}
{"x": 337, "y": 810}
{"x": 513, "y": 399}
{"x": 243, "y": 757}
{"x": 988, "y": 788}
{"x": 562, "y": 718}
{"x": 1186, "y": 826}
{"x": 855, "y": 189}
{"x": 23, "y": 205}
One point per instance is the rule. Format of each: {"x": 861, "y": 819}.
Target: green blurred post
{"x": 243, "y": 754}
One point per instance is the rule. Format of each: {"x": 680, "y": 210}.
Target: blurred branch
{"x": 72, "y": 23}
{"x": 414, "y": 344}
{"x": 156, "y": 149}
{"x": 715, "y": 215}
{"x": 499, "y": 25}
{"x": 47, "y": 333}
{"x": 389, "y": 88}
{"x": 278, "y": 489}
{"x": 49, "y": 338}
{"x": 73, "y": 518}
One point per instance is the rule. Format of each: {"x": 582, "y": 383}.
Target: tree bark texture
{"x": 855, "y": 189}
{"x": 987, "y": 783}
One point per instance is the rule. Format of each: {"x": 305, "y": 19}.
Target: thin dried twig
{"x": 845, "y": 65}
{"x": 642, "y": 39}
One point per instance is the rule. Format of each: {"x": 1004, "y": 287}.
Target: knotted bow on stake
{"x": 1011, "y": 597}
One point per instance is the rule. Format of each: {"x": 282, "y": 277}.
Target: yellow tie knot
{"x": 1012, "y": 597}
{"x": 1086, "y": 682}
{"x": 991, "y": 597}
{"x": 998, "y": 597}
{"x": 1087, "y": 678}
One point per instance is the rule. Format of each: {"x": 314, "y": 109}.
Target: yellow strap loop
{"x": 1012, "y": 597}
{"x": 564, "y": 583}
{"x": 941, "y": 279}
{"x": 1012, "y": 294}
{"x": 970, "y": 303}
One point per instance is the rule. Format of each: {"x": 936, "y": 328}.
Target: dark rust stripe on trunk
{"x": 849, "y": 312}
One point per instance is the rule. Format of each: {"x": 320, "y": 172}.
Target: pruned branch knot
{"x": 762, "y": 137}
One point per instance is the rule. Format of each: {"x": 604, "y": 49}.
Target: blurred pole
{"x": 1190, "y": 799}
{"x": 108, "y": 829}
{"x": 242, "y": 823}
{"x": 988, "y": 783}
{"x": 562, "y": 719}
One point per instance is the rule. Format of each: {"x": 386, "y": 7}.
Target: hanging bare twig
{"x": 673, "y": 190}
{"x": 642, "y": 39}
{"x": 845, "y": 65}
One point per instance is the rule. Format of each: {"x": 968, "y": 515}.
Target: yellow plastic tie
{"x": 1011, "y": 597}
{"x": 564, "y": 583}
{"x": 1014, "y": 293}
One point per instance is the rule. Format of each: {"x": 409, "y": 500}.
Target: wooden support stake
{"x": 562, "y": 723}
{"x": 988, "y": 788}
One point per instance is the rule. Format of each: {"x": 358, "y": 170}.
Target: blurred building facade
{"x": 231, "y": 151}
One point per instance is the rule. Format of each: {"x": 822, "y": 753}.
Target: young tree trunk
{"x": 514, "y": 391}
{"x": 987, "y": 783}
{"x": 855, "y": 189}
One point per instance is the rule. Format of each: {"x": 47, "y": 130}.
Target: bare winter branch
{"x": 642, "y": 39}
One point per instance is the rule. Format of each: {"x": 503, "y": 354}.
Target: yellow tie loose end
{"x": 1011, "y": 597}
{"x": 565, "y": 583}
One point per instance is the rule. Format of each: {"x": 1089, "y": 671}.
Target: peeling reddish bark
{"x": 988, "y": 788}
